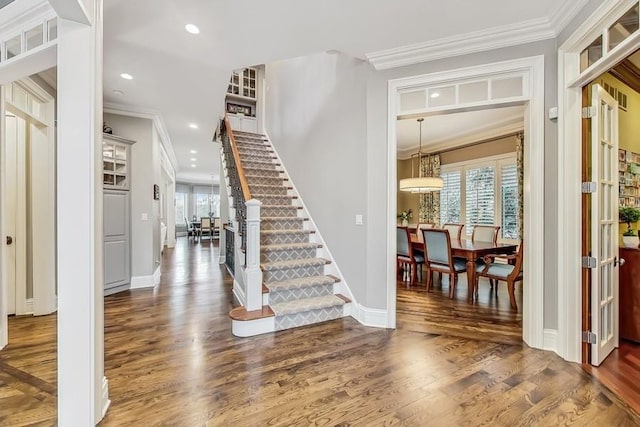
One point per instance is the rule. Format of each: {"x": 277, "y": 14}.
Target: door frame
{"x": 532, "y": 70}
{"x": 570, "y": 84}
{"x": 44, "y": 299}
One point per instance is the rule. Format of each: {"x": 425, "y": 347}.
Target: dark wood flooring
{"x": 489, "y": 318}
{"x": 621, "y": 373}
{"x": 171, "y": 360}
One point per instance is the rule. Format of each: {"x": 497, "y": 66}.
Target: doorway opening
{"x": 479, "y": 156}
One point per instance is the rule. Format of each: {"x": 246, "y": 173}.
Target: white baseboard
{"x": 239, "y": 293}
{"x": 29, "y": 306}
{"x": 142, "y": 282}
{"x": 222, "y": 259}
{"x": 105, "y": 397}
{"x": 371, "y": 316}
{"x": 550, "y": 340}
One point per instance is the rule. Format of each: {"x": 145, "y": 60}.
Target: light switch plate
{"x": 144, "y": 217}
{"x": 358, "y": 219}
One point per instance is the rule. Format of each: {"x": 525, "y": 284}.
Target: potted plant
{"x": 629, "y": 214}
{"x": 405, "y": 216}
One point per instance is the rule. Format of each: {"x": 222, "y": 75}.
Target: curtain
{"x": 430, "y": 202}
{"x": 520, "y": 174}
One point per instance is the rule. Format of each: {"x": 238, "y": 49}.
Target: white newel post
{"x": 252, "y": 270}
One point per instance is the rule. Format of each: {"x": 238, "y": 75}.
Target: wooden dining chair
{"x": 205, "y": 227}
{"x": 455, "y": 230}
{"x": 485, "y": 233}
{"x": 509, "y": 273}
{"x": 438, "y": 258}
{"x": 423, "y": 226}
{"x": 405, "y": 253}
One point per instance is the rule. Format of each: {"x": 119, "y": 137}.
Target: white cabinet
{"x": 243, "y": 123}
{"x": 244, "y": 84}
{"x": 116, "y": 172}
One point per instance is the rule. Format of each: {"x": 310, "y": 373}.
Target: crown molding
{"x": 158, "y": 122}
{"x": 479, "y": 41}
{"x": 506, "y": 128}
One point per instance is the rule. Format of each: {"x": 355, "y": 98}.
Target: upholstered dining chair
{"x": 423, "y": 226}
{"x": 438, "y": 258}
{"x": 405, "y": 253}
{"x": 485, "y": 233}
{"x": 509, "y": 273}
{"x": 455, "y": 230}
{"x": 205, "y": 227}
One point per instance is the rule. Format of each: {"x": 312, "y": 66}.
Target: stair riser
{"x": 249, "y": 164}
{"x": 279, "y": 211}
{"x": 295, "y": 294}
{"x": 309, "y": 317}
{"x": 256, "y": 155}
{"x": 265, "y": 181}
{"x": 288, "y": 255}
{"x": 282, "y": 224}
{"x": 281, "y": 239}
{"x": 292, "y": 273}
{"x": 271, "y": 190}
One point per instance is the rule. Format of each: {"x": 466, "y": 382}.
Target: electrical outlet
{"x": 359, "y": 219}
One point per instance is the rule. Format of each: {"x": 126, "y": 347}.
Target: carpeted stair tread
{"x": 293, "y": 231}
{"x": 296, "y": 263}
{"x": 249, "y": 176}
{"x": 300, "y": 283}
{"x": 252, "y": 144}
{"x": 289, "y": 247}
{"x": 252, "y": 134}
{"x": 306, "y": 304}
{"x": 262, "y": 167}
{"x": 265, "y": 186}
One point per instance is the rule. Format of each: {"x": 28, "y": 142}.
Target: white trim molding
{"x": 143, "y": 282}
{"x": 532, "y": 70}
{"x": 550, "y": 340}
{"x": 106, "y": 402}
{"x": 570, "y": 83}
{"x": 374, "y": 317}
{"x": 158, "y": 123}
{"x": 512, "y": 34}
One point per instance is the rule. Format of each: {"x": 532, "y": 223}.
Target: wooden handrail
{"x": 236, "y": 158}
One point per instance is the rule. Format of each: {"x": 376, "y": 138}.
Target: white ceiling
{"x": 183, "y": 76}
{"x": 455, "y": 129}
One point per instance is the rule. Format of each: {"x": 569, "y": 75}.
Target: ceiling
{"x": 445, "y": 131}
{"x": 182, "y": 77}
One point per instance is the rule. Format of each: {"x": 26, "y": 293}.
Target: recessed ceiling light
{"x": 192, "y": 29}
{"x": 435, "y": 94}
{"x": 193, "y": 166}
{"x": 118, "y": 92}
{"x": 193, "y": 151}
{"x": 126, "y": 76}
{"x": 193, "y": 159}
{"x": 193, "y": 125}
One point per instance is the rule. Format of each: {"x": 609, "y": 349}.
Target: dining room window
{"x": 482, "y": 192}
{"x": 181, "y": 208}
{"x": 203, "y": 205}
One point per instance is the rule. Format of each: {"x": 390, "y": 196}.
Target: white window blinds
{"x": 509, "y": 184}
{"x": 480, "y": 197}
{"x": 450, "y": 198}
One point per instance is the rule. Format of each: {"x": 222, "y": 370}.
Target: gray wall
{"x": 377, "y": 161}
{"x": 145, "y": 171}
{"x": 317, "y": 122}
{"x": 339, "y": 164}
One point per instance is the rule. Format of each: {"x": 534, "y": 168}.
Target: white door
{"x": 604, "y": 223}
{"x": 9, "y": 214}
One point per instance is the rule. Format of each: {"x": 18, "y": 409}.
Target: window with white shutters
{"x": 482, "y": 192}
{"x": 450, "y": 198}
{"x": 480, "y": 197}
{"x": 509, "y": 199}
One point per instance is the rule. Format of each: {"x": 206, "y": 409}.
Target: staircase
{"x": 296, "y": 290}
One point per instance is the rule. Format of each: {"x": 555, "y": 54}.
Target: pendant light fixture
{"x": 421, "y": 184}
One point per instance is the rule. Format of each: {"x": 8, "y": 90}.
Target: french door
{"x": 604, "y": 223}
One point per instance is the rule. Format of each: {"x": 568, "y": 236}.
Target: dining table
{"x": 471, "y": 251}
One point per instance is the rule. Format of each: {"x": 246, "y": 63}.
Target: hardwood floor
{"x": 490, "y": 318}
{"x": 621, "y": 373}
{"x": 171, "y": 360}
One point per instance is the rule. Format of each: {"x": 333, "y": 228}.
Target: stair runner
{"x": 299, "y": 291}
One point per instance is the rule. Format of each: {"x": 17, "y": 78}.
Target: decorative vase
{"x": 630, "y": 241}
{"x": 405, "y": 222}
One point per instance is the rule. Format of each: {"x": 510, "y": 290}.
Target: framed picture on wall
{"x": 156, "y": 192}
{"x": 238, "y": 109}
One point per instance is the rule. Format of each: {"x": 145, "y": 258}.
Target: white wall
{"x": 317, "y": 122}
{"x": 315, "y": 114}
{"x": 145, "y": 172}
